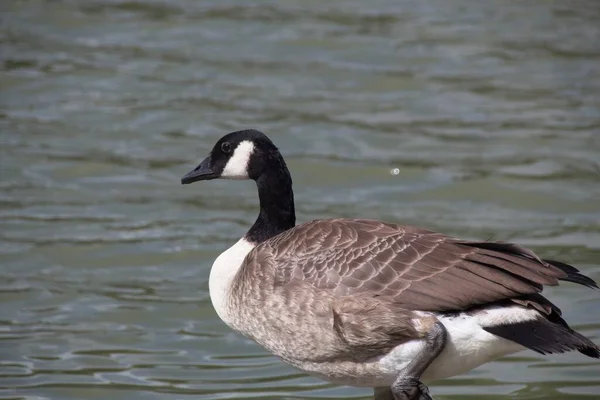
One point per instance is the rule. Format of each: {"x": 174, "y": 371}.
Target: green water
{"x": 490, "y": 110}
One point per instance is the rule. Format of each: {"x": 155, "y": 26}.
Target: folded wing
{"x": 414, "y": 268}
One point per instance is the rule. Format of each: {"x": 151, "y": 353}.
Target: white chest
{"x": 223, "y": 273}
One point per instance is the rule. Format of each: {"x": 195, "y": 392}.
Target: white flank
{"x": 468, "y": 345}
{"x": 237, "y": 166}
{"x": 222, "y": 274}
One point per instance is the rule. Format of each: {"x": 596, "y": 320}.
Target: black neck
{"x": 277, "y": 213}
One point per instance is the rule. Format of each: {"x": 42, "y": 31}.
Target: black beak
{"x": 202, "y": 172}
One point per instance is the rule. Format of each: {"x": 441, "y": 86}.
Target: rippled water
{"x": 490, "y": 111}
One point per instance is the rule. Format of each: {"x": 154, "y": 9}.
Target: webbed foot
{"x": 410, "y": 388}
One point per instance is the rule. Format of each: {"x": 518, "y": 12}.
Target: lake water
{"x": 477, "y": 119}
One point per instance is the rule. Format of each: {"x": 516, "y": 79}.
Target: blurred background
{"x": 476, "y": 118}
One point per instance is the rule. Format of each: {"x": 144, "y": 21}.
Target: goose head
{"x": 245, "y": 154}
{"x": 250, "y": 154}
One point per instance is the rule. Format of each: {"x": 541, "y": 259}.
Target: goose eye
{"x": 226, "y": 147}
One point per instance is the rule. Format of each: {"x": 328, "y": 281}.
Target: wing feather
{"x": 412, "y": 267}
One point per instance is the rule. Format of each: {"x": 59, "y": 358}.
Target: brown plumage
{"x": 412, "y": 267}
{"x": 381, "y": 272}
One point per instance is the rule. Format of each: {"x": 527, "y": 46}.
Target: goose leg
{"x": 407, "y": 385}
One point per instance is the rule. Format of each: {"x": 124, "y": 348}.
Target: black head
{"x": 237, "y": 155}
{"x": 250, "y": 154}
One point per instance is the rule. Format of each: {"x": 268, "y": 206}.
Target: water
{"x": 489, "y": 110}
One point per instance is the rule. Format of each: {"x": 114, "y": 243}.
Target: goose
{"x": 374, "y": 304}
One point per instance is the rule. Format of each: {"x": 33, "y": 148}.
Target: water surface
{"x": 489, "y": 111}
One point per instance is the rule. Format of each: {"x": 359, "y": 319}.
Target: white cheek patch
{"x": 237, "y": 166}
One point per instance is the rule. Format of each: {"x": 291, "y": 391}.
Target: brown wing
{"x": 414, "y": 268}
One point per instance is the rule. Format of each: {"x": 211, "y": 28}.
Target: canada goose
{"x": 375, "y": 304}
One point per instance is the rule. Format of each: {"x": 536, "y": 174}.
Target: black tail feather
{"x": 549, "y": 333}
{"x": 573, "y": 274}
{"x": 546, "y": 337}
{"x": 590, "y": 352}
